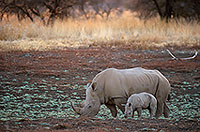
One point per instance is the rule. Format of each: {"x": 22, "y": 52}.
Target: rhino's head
{"x": 91, "y": 106}
{"x": 129, "y": 111}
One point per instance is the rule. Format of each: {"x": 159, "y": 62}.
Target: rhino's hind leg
{"x": 113, "y": 109}
{"x": 152, "y": 112}
{"x": 159, "y": 110}
{"x": 152, "y": 108}
{"x": 166, "y": 110}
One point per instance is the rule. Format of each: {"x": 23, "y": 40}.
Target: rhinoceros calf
{"x": 113, "y": 87}
{"x": 137, "y": 102}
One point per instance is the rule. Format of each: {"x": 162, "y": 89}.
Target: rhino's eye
{"x": 89, "y": 106}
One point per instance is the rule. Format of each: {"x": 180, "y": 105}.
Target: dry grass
{"x": 124, "y": 30}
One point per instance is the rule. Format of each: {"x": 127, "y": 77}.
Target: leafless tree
{"x": 58, "y": 9}
{"x": 15, "y": 7}
{"x": 36, "y": 8}
{"x": 103, "y": 8}
{"x": 83, "y": 7}
{"x": 168, "y": 9}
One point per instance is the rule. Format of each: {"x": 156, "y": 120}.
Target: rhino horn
{"x": 76, "y": 109}
{"x": 82, "y": 104}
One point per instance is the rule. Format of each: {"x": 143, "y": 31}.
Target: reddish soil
{"x": 87, "y": 62}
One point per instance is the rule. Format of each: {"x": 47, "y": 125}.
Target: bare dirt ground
{"x": 36, "y": 87}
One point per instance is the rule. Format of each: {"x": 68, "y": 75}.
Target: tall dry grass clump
{"x": 125, "y": 29}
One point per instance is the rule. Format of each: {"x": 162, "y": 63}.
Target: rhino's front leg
{"x": 139, "y": 111}
{"x": 133, "y": 114}
{"x": 112, "y": 108}
{"x": 166, "y": 110}
{"x": 119, "y": 103}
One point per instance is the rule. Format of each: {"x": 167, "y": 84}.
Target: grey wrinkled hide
{"x": 137, "y": 102}
{"x": 113, "y": 87}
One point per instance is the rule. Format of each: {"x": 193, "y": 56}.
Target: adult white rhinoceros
{"x": 113, "y": 87}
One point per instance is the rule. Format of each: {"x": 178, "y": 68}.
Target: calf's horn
{"x": 77, "y": 110}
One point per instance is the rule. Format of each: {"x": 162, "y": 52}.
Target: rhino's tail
{"x": 169, "y": 97}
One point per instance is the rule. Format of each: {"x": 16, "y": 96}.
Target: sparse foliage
{"x": 49, "y": 10}
{"x": 167, "y": 9}
{"x": 58, "y": 9}
{"x": 46, "y": 10}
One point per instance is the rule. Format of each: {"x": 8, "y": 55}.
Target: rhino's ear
{"x": 88, "y": 85}
{"x": 94, "y": 85}
{"x": 123, "y": 105}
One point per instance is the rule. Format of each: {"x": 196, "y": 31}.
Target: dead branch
{"x": 187, "y": 58}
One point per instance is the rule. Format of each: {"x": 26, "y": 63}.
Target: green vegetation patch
{"x": 38, "y": 101}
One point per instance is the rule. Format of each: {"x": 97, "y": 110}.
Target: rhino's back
{"x": 124, "y": 82}
{"x": 141, "y": 100}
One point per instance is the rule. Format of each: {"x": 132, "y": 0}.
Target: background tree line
{"x": 169, "y": 9}
{"x": 49, "y": 10}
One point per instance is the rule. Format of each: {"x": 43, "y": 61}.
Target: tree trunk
{"x": 168, "y": 10}
{"x": 158, "y": 8}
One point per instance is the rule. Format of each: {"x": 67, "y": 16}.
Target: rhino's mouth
{"x": 80, "y": 111}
